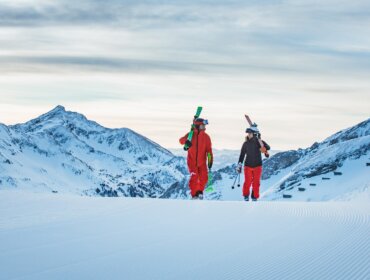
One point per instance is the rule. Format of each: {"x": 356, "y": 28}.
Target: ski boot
{"x": 200, "y": 195}
{"x": 246, "y": 198}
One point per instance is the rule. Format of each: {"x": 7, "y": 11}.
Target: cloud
{"x": 278, "y": 59}
{"x": 208, "y": 36}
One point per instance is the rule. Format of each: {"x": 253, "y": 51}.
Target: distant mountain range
{"x": 63, "y": 152}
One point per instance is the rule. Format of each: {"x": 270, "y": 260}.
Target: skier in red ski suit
{"x": 200, "y": 149}
{"x": 253, "y": 163}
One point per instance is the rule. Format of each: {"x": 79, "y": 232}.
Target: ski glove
{"x": 210, "y": 160}
{"x": 239, "y": 168}
{"x": 188, "y": 143}
{"x": 263, "y": 150}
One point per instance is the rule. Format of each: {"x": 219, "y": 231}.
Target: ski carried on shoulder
{"x": 259, "y": 140}
{"x": 190, "y": 136}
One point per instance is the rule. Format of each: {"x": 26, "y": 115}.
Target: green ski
{"x": 210, "y": 182}
{"x": 210, "y": 177}
{"x": 190, "y": 136}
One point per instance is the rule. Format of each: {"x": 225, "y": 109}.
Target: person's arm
{"x": 209, "y": 152}
{"x": 182, "y": 140}
{"x": 267, "y": 146}
{"x": 243, "y": 151}
{"x": 241, "y": 158}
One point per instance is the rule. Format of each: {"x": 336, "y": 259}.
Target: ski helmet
{"x": 253, "y": 129}
{"x": 200, "y": 121}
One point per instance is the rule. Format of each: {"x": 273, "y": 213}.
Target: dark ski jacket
{"x": 251, "y": 149}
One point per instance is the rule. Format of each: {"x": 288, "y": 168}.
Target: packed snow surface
{"x": 59, "y": 236}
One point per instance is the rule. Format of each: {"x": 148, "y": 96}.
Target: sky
{"x": 300, "y": 69}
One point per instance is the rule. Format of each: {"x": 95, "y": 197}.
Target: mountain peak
{"x": 54, "y": 117}
{"x": 59, "y": 108}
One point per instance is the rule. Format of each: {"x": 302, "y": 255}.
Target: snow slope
{"x": 48, "y": 236}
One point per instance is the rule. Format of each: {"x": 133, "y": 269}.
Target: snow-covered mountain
{"x": 62, "y": 151}
{"x": 336, "y": 168}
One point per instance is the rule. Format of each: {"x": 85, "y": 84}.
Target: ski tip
{"x": 199, "y": 111}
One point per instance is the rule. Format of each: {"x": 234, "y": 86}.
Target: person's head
{"x": 252, "y": 131}
{"x": 200, "y": 123}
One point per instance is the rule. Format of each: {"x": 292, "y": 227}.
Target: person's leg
{"x": 203, "y": 178}
{"x": 257, "y": 172}
{"x": 248, "y": 176}
{"x": 193, "y": 182}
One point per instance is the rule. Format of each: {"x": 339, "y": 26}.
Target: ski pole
{"x": 236, "y": 177}
{"x": 239, "y": 180}
{"x": 210, "y": 175}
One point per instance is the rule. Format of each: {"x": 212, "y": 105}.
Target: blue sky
{"x": 299, "y": 68}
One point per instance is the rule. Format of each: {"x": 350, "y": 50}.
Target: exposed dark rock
{"x": 142, "y": 159}
{"x": 123, "y": 146}
{"x": 314, "y": 146}
{"x": 276, "y": 163}
{"x": 323, "y": 168}
{"x": 179, "y": 189}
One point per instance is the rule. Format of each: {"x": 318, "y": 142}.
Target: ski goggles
{"x": 201, "y": 121}
{"x": 252, "y": 129}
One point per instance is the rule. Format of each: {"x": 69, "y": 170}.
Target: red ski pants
{"x": 252, "y": 177}
{"x": 198, "y": 179}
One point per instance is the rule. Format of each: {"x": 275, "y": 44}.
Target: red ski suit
{"x": 197, "y": 160}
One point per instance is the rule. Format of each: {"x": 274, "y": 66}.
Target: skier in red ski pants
{"x": 253, "y": 163}
{"x": 200, "y": 150}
